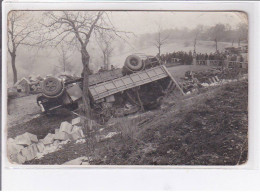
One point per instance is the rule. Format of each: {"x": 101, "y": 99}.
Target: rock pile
{"x": 26, "y": 147}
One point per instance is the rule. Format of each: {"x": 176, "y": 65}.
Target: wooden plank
{"x": 177, "y": 84}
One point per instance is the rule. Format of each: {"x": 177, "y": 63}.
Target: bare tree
{"x": 217, "y": 33}
{"x": 76, "y": 28}
{"x": 20, "y": 32}
{"x": 64, "y": 58}
{"x": 105, "y": 41}
{"x": 198, "y": 30}
{"x": 160, "y": 39}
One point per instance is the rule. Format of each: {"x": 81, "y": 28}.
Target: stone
{"x": 10, "y": 141}
{"x": 56, "y": 142}
{"x": 57, "y": 131}
{"x": 80, "y": 141}
{"x": 40, "y": 146}
{"x": 23, "y": 140}
{"x": 32, "y": 137}
{"x": 66, "y": 127}
{"x": 26, "y": 139}
{"x": 108, "y": 136}
{"x": 39, "y": 155}
{"x": 76, "y": 133}
{"x": 85, "y": 163}
{"x": 13, "y": 148}
{"x": 61, "y": 135}
{"x": 77, "y": 161}
{"x": 50, "y": 148}
{"x": 65, "y": 142}
{"x": 74, "y": 136}
{"x": 18, "y": 158}
{"x": 76, "y": 121}
{"x": 48, "y": 139}
{"x": 30, "y": 152}
{"x": 81, "y": 133}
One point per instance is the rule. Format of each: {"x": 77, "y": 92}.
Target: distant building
{"x": 23, "y": 86}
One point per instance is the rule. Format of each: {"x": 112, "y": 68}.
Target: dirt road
{"x": 22, "y": 110}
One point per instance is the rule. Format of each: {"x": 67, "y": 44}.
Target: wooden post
{"x": 138, "y": 97}
{"x": 170, "y": 75}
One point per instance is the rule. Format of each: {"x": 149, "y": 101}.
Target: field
{"x": 208, "y": 127}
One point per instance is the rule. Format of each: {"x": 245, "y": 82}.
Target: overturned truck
{"x": 139, "y": 85}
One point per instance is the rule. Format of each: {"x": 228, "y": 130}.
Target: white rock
{"x": 66, "y": 127}
{"x": 18, "y": 158}
{"x": 81, "y": 141}
{"x": 74, "y": 136}
{"x": 85, "y": 163}
{"x": 65, "y": 142}
{"x": 13, "y": 148}
{"x": 40, "y": 146}
{"x": 32, "y": 137}
{"x": 75, "y": 121}
{"x": 30, "y": 152}
{"x": 23, "y": 140}
{"x": 77, "y": 161}
{"x": 61, "y": 135}
{"x": 48, "y": 139}
{"x": 26, "y": 139}
{"x": 109, "y": 135}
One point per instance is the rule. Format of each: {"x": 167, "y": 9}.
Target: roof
{"x": 18, "y": 82}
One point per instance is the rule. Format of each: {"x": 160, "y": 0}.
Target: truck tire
{"x": 52, "y": 87}
{"x": 134, "y": 63}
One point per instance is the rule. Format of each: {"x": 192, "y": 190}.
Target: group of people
{"x": 184, "y": 58}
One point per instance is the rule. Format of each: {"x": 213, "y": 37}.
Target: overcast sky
{"x": 144, "y": 22}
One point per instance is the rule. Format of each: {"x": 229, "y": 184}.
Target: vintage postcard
{"x": 128, "y": 88}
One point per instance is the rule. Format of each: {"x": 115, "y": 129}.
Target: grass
{"x": 209, "y": 128}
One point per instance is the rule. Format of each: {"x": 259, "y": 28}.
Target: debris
{"x": 18, "y": 158}
{"x": 30, "y": 152}
{"x": 81, "y": 141}
{"x": 32, "y": 137}
{"x": 65, "y": 142}
{"x": 13, "y": 148}
{"x": 76, "y": 121}
{"x": 26, "y": 139}
{"x": 50, "y": 148}
{"x": 40, "y": 146}
{"x": 23, "y": 140}
{"x": 77, "y": 161}
{"x": 108, "y": 136}
{"x": 61, "y": 135}
{"x": 48, "y": 139}
{"x": 66, "y": 127}
{"x": 76, "y": 133}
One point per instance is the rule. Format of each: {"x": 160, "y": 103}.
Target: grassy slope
{"x": 206, "y": 129}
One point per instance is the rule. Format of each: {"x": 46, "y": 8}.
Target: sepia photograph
{"x": 127, "y": 88}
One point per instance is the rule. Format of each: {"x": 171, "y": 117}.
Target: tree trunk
{"x": 85, "y": 97}
{"x": 216, "y": 45}
{"x": 13, "y": 56}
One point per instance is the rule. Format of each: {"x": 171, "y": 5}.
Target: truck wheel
{"x": 134, "y": 63}
{"x": 52, "y": 87}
